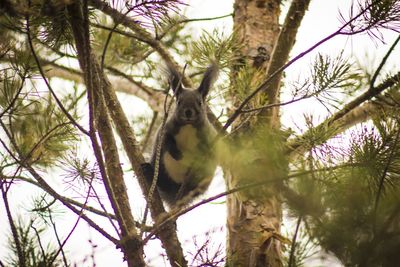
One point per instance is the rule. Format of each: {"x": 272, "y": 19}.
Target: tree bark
{"x": 254, "y": 222}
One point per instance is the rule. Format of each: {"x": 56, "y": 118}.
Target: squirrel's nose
{"x": 188, "y": 113}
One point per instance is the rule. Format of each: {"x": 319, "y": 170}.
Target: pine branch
{"x": 15, "y": 98}
{"x": 384, "y": 174}
{"x": 354, "y": 112}
{"x": 46, "y": 187}
{"x": 174, "y": 214}
{"x": 69, "y": 200}
{"x": 141, "y": 34}
{"x": 60, "y": 105}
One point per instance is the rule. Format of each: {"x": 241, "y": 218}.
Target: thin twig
{"x": 383, "y": 61}
{"x": 384, "y": 174}
{"x": 40, "y": 243}
{"x": 103, "y": 55}
{"x": 294, "y": 239}
{"x": 105, "y": 211}
{"x": 71, "y": 231}
{"x": 58, "y": 238}
{"x": 177, "y": 23}
{"x": 14, "y": 231}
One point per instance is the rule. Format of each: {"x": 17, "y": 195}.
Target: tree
{"x": 344, "y": 197}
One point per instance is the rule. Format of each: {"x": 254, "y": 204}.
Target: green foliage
{"x": 258, "y": 158}
{"x": 42, "y": 139}
{"x": 216, "y": 46}
{"x": 38, "y": 129}
{"x": 33, "y": 249}
{"x": 333, "y": 73}
{"x": 10, "y": 87}
{"x": 356, "y": 203}
{"x": 332, "y": 79}
{"x": 378, "y": 15}
{"x": 78, "y": 170}
{"x": 245, "y": 80}
{"x": 121, "y": 50}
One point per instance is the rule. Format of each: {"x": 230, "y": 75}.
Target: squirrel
{"x": 187, "y": 161}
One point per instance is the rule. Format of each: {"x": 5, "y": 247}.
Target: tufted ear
{"x": 210, "y": 75}
{"x": 174, "y": 80}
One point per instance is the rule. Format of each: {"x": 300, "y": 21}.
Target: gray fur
{"x": 187, "y": 162}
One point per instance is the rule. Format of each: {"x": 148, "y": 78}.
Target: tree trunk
{"x": 253, "y": 222}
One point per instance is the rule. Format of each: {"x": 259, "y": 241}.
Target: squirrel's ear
{"x": 174, "y": 79}
{"x": 210, "y": 75}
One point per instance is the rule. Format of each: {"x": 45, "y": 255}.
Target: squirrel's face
{"x": 190, "y": 104}
{"x": 190, "y": 107}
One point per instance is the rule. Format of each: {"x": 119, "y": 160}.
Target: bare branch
{"x": 60, "y": 249}
{"x": 282, "y": 48}
{"x": 123, "y": 83}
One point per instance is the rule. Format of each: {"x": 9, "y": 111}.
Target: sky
{"x": 321, "y": 20}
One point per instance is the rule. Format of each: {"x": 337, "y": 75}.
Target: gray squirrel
{"x": 187, "y": 160}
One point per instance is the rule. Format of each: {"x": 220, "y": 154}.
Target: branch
{"x": 15, "y": 98}
{"x": 277, "y": 72}
{"x": 61, "y": 245}
{"x": 98, "y": 113}
{"x": 14, "y": 230}
{"x": 69, "y": 200}
{"x": 350, "y": 115}
{"x": 177, "y": 23}
{"x": 124, "y": 83}
{"x": 168, "y": 236}
{"x": 141, "y": 34}
{"x": 384, "y": 174}
{"x": 282, "y": 48}
{"x": 46, "y": 187}
{"x": 174, "y": 214}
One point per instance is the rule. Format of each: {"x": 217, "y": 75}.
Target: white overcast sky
{"x": 321, "y": 20}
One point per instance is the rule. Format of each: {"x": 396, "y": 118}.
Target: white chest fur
{"x": 186, "y": 141}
